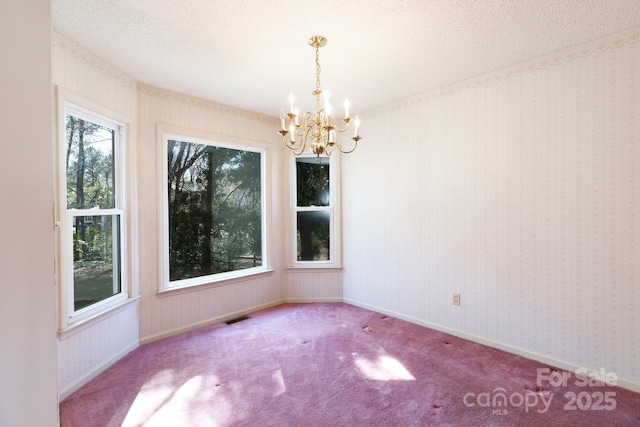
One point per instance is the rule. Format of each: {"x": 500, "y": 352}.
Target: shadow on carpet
{"x": 333, "y": 364}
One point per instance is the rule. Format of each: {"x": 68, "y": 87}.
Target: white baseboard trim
{"x": 222, "y": 318}
{"x": 76, "y": 385}
{"x": 312, "y": 300}
{"x": 547, "y": 360}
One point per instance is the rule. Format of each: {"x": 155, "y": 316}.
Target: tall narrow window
{"x": 93, "y": 229}
{"x": 314, "y": 212}
{"x": 214, "y": 212}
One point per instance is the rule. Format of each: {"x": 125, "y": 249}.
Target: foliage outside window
{"x": 214, "y": 211}
{"x": 313, "y": 210}
{"x": 93, "y": 233}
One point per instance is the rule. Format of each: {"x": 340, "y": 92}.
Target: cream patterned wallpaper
{"x": 163, "y": 315}
{"x": 87, "y": 351}
{"x": 520, "y": 190}
{"x": 313, "y": 286}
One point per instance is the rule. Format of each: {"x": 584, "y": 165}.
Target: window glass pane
{"x": 313, "y": 236}
{"x": 96, "y": 256}
{"x": 215, "y": 209}
{"x": 89, "y": 165}
{"x": 312, "y": 181}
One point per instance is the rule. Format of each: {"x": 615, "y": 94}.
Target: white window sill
{"x": 214, "y": 284}
{"x": 314, "y": 269}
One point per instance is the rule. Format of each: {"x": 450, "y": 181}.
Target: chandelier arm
{"x": 298, "y": 152}
{"x": 346, "y": 128}
{"x": 289, "y": 145}
{"x": 329, "y": 149}
{"x": 293, "y": 145}
{"x": 304, "y": 136}
{"x": 355, "y": 145}
{"x": 297, "y": 148}
{"x": 307, "y": 119}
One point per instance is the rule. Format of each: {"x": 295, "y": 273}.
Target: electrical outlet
{"x": 456, "y": 298}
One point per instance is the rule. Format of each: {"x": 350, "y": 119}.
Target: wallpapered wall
{"x": 160, "y": 315}
{"x": 313, "y": 286}
{"x": 87, "y": 350}
{"x": 520, "y": 189}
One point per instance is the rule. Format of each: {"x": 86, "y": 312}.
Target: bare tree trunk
{"x": 80, "y": 177}
{"x": 208, "y": 214}
{"x": 71, "y": 132}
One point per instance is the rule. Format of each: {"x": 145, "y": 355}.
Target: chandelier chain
{"x": 317, "y": 71}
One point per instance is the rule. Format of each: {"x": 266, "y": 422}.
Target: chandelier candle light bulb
{"x": 291, "y": 99}
{"x": 321, "y": 127}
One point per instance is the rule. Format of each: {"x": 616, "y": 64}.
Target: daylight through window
{"x": 313, "y": 209}
{"x": 94, "y": 211}
{"x": 214, "y": 211}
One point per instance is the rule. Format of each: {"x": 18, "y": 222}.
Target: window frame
{"x": 335, "y": 255}
{"x": 70, "y": 318}
{"x": 166, "y": 133}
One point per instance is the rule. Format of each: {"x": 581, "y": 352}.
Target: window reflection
{"x": 313, "y": 235}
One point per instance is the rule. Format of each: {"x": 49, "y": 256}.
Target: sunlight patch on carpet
{"x": 278, "y": 379}
{"x": 150, "y": 398}
{"x": 385, "y": 368}
{"x": 160, "y": 402}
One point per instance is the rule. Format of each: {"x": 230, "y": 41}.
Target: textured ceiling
{"x": 252, "y": 53}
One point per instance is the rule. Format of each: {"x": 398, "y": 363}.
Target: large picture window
{"x": 93, "y": 212}
{"x": 214, "y": 223}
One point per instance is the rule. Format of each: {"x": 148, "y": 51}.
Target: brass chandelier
{"x": 319, "y": 127}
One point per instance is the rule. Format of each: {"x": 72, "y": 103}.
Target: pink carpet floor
{"x": 335, "y": 364}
